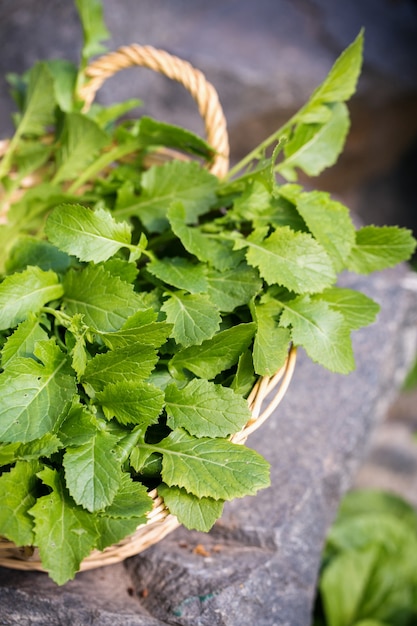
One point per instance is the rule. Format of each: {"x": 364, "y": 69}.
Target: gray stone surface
{"x": 259, "y": 564}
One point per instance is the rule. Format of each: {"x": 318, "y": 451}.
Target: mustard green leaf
{"x": 379, "y": 247}
{"x": 18, "y": 491}
{"x": 291, "y": 259}
{"x": 233, "y": 288}
{"x": 132, "y": 402}
{"x": 214, "y": 468}
{"x": 270, "y": 348}
{"x": 358, "y": 309}
{"x": 88, "y": 235}
{"x": 214, "y": 355}
{"x": 22, "y": 342}
{"x": 35, "y": 393}
{"x": 61, "y": 525}
{"x": 26, "y": 292}
{"x": 194, "y": 317}
{"x": 180, "y": 273}
{"x": 321, "y": 331}
{"x": 192, "y": 512}
{"x": 105, "y": 301}
{"x": 205, "y": 409}
{"x": 92, "y": 471}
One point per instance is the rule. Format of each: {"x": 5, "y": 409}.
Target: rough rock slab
{"x": 259, "y": 564}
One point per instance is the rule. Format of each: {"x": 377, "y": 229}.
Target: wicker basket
{"x": 160, "y": 521}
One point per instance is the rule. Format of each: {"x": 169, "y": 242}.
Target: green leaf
{"x": 39, "y": 107}
{"x": 139, "y": 328}
{"x": 179, "y": 273}
{"x": 61, "y": 525}
{"x": 380, "y": 247}
{"x": 45, "y": 446}
{"x": 94, "y": 27}
{"x": 65, "y": 77}
{"x": 340, "y": 83}
{"x": 132, "y": 402}
{"x": 79, "y": 425}
{"x": 32, "y": 251}
{"x": 214, "y": 355}
{"x": 156, "y": 133}
{"x": 205, "y": 409}
{"x": 192, "y": 512}
{"x": 314, "y": 147}
{"x": 322, "y": 332}
{"x": 35, "y": 393}
{"x": 271, "y": 343}
{"x": 128, "y": 364}
{"x": 194, "y": 317}
{"x": 291, "y": 259}
{"x": 80, "y": 142}
{"x": 88, "y": 235}
{"x": 105, "y": 301}
{"x": 212, "y": 249}
{"x": 233, "y": 288}
{"x": 22, "y": 342}
{"x": 179, "y": 181}
{"x": 358, "y": 309}
{"x": 26, "y": 292}
{"x": 211, "y": 468}
{"x": 330, "y": 224}
{"x": 127, "y": 511}
{"x": 17, "y": 495}
{"x": 92, "y": 471}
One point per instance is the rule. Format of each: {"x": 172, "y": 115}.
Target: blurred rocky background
{"x": 265, "y": 58}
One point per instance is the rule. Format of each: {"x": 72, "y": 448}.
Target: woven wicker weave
{"x": 267, "y": 392}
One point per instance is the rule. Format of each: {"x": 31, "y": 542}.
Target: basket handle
{"x": 177, "y": 69}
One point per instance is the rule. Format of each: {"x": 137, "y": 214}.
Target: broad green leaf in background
{"x": 314, "y": 147}
{"x": 35, "y": 393}
{"x": 65, "y": 77}
{"x": 214, "y": 468}
{"x": 26, "y": 292}
{"x": 130, "y": 363}
{"x": 270, "y": 348}
{"x": 61, "y": 525}
{"x": 215, "y": 250}
{"x": 233, "y": 288}
{"x": 244, "y": 378}
{"x": 214, "y": 355}
{"x": 194, "y": 317}
{"x": 321, "y": 331}
{"x": 39, "y": 106}
{"x": 88, "y": 235}
{"x": 31, "y": 251}
{"x": 180, "y": 273}
{"x": 18, "y": 495}
{"x": 81, "y": 140}
{"x": 94, "y": 27}
{"x": 92, "y": 471}
{"x": 180, "y": 181}
{"x": 291, "y": 259}
{"x": 105, "y": 301}
{"x": 330, "y": 224}
{"x": 194, "y": 513}
{"x": 132, "y": 402}
{"x": 205, "y": 409}
{"x": 379, "y": 247}
{"x": 78, "y": 426}
{"x": 358, "y": 309}
{"x": 156, "y": 133}
{"x": 22, "y": 342}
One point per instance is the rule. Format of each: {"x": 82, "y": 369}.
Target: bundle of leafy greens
{"x": 139, "y": 305}
{"x": 368, "y": 573}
